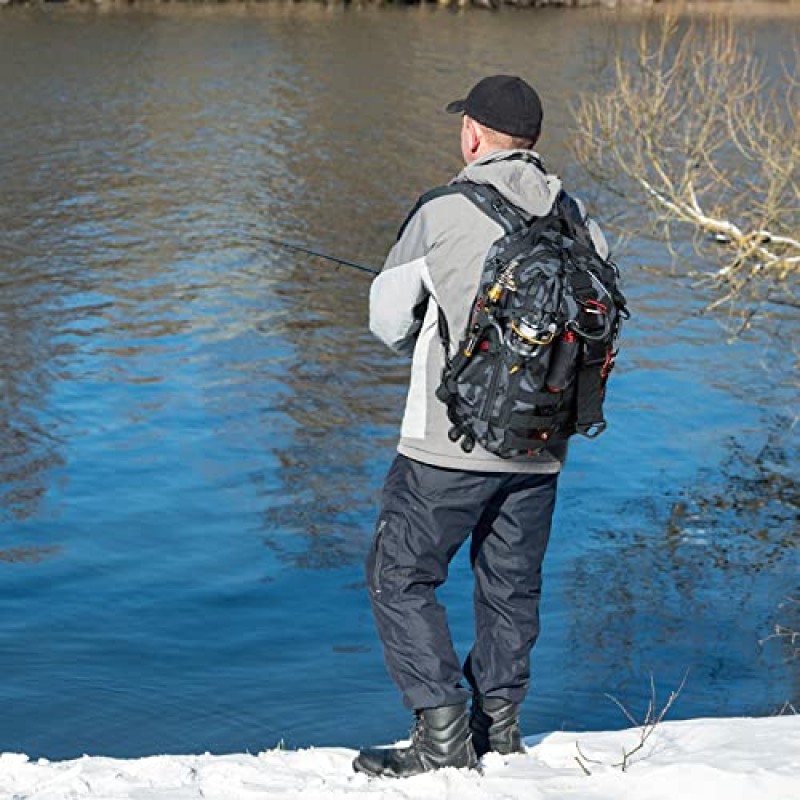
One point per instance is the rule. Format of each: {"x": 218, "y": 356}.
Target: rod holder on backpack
{"x": 562, "y": 364}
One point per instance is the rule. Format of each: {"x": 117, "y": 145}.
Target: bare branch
{"x": 784, "y": 632}
{"x": 692, "y": 124}
{"x": 652, "y": 719}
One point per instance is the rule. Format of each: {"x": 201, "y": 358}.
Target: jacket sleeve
{"x": 398, "y": 297}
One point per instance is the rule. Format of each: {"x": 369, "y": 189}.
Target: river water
{"x": 195, "y": 424}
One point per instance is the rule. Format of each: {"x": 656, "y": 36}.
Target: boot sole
{"x": 389, "y": 773}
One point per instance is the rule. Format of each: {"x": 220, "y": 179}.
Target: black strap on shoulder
{"x": 493, "y": 204}
{"x": 484, "y": 197}
{"x": 574, "y": 222}
{"x": 432, "y": 194}
{"x": 570, "y": 208}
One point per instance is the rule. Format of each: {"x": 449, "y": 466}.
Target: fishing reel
{"x": 526, "y": 336}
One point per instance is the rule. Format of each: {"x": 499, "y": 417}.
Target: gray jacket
{"x": 437, "y": 262}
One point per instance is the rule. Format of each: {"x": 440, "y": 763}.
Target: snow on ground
{"x": 706, "y": 759}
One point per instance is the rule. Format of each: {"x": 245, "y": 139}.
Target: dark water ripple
{"x": 194, "y": 424}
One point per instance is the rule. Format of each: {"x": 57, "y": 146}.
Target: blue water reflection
{"x": 194, "y": 426}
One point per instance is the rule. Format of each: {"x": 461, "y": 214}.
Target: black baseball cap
{"x": 503, "y": 103}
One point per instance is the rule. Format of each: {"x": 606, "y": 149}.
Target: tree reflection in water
{"x": 699, "y": 578}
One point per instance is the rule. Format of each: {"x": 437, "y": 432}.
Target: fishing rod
{"x": 319, "y": 254}
{"x": 301, "y": 248}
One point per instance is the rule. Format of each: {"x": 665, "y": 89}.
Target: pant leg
{"x": 507, "y": 551}
{"x": 427, "y": 513}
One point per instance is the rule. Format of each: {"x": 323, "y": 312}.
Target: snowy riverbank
{"x": 706, "y": 759}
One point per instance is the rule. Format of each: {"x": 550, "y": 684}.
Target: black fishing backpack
{"x": 541, "y": 339}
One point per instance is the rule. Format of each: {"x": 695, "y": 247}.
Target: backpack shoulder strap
{"x": 493, "y": 204}
{"x": 432, "y": 194}
{"x": 569, "y": 207}
{"x": 484, "y": 197}
{"x": 573, "y": 219}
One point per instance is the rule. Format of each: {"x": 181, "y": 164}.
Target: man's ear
{"x": 472, "y": 135}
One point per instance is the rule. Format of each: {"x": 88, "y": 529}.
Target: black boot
{"x": 494, "y": 723}
{"x": 441, "y": 738}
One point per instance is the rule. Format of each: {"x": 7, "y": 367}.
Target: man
{"x": 436, "y": 494}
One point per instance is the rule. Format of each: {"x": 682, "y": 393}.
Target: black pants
{"x": 427, "y": 514}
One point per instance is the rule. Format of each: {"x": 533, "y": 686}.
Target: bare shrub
{"x": 700, "y": 132}
{"x": 653, "y": 717}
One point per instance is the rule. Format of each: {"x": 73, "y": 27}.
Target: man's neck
{"x": 491, "y": 152}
